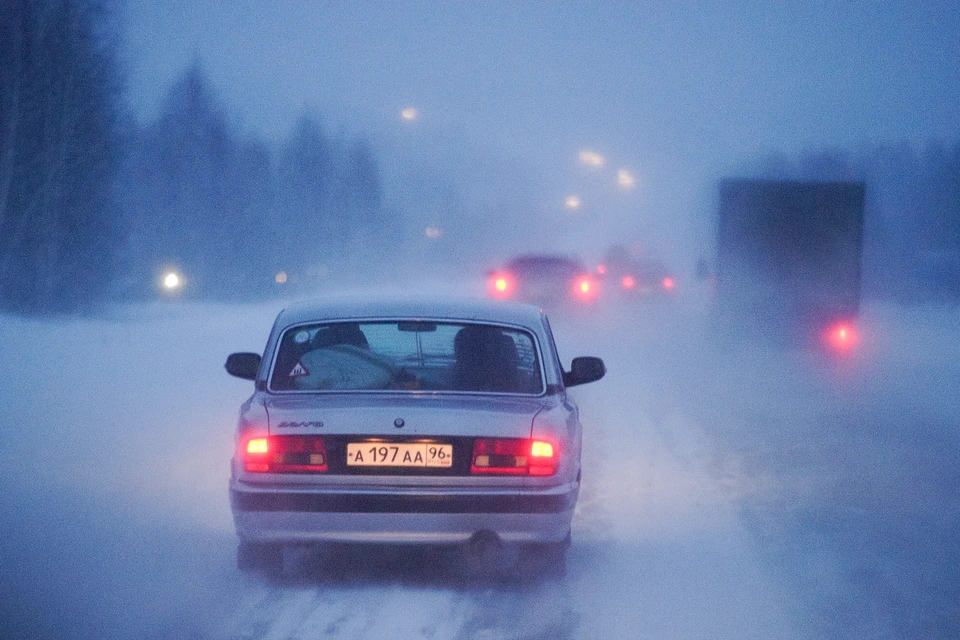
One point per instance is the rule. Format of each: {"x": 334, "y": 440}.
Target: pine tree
{"x": 59, "y": 154}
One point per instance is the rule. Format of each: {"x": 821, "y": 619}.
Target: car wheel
{"x": 260, "y": 557}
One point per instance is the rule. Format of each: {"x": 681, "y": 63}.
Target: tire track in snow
{"x": 374, "y": 611}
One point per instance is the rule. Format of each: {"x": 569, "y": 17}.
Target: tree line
{"x": 60, "y": 151}
{"x": 235, "y": 217}
{"x": 95, "y": 205}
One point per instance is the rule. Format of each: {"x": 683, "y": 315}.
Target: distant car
{"x": 407, "y": 421}
{"x": 544, "y": 279}
{"x": 636, "y": 277}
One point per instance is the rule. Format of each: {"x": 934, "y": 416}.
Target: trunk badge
{"x": 315, "y": 424}
{"x": 398, "y": 423}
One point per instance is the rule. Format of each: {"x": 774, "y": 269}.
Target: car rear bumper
{"x": 271, "y": 515}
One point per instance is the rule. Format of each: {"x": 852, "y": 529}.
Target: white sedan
{"x": 437, "y": 421}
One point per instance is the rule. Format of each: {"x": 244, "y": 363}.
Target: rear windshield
{"x": 407, "y": 356}
{"x": 547, "y": 267}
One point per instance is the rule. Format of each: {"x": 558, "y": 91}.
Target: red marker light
{"x": 669, "y": 284}
{"x": 602, "y": 269}
{"x": 627, "y": 282}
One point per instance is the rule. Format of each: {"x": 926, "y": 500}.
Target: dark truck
{"x": 788, "y": 260}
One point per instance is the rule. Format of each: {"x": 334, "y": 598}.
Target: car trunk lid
{"x": 362, "y": 421}
{"x": 408, "y": 415}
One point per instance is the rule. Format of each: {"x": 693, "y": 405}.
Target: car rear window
{"x": 407, "y": 356}
{"x": 548, "y": 266}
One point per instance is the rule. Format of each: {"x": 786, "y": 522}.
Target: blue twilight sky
{"x": 677, "y": 92}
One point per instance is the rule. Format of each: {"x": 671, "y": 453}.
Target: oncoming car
{"x": 407, "y": 421}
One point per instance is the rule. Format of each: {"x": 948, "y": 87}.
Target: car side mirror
{"x": 243, "y": 365}
{"x": 583, "y": 370}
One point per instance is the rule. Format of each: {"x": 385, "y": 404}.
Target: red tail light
{"x": 257, "y": 445}
{"x": 628, "y": 282}
{"x": 501, "y": 285}
{"x": 585, "y": 288}
{"x": 284, "y": 454}
{"x": 841, "y": 337}
{"x": 514, "y": 456}
{"x": 668, "y": 284}
{"x": 542, "y": 460}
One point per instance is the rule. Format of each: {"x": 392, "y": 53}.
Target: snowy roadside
{"x": 859, "y": 460}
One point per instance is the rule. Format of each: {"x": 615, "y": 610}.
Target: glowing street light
{"x": 572, "y": 202}
{"x": 281, "y": 277}
{"x": 170, "y": 282}
{"x": 433, "y": 232}
{"x": 409, "y": 113}
{"x": 592, "y": 159}
{"x": 625, "y": 179}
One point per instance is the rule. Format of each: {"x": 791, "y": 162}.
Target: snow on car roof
{"x": 370, "y": 306}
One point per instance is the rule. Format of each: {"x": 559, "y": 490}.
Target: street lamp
{"x": 171, "y": 282}
{"x": 592, "y": 159}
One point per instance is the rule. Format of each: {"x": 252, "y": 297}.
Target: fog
{"x": 735, "y": 485}
{"x": 501, "y": 102}
{"x": 749, "y": 494}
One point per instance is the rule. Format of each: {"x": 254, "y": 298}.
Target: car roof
{"x": 434, "y": 307}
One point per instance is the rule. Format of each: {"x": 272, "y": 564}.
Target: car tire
{"x": 264, "y": 558}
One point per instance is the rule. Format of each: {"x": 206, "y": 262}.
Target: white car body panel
{"x": 347, "y": 505}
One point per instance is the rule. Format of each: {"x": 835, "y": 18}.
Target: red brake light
{"x": 285, "y": 454}
{"x": 513, "y": 456}
{"x": 257, "y": 445}
{"x": 669, "y": 284}
{"x": 628, "y": 282}
{"x": 541, "y": 449}
{"x": 542, "y": 462}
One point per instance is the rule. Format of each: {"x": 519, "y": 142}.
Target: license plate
{"x": 407, "y": 454}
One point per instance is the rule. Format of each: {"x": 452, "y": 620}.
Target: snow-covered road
{"x": 715, "y": 484}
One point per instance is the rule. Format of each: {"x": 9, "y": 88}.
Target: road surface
{"x": 728, "y": 492}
